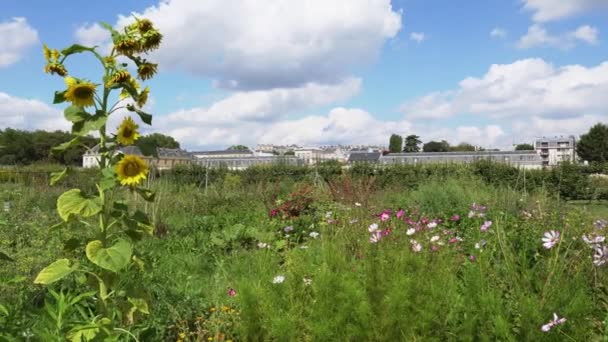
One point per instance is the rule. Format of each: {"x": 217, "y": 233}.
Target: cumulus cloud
{"x": 92, "y": 35}
{"x": 16, "y": 112}
{"x": 16, "y": 37}
{"x": 281, "y": 43}
{"x": 499, "y": 33}
{"x": 538, "y": 36}
{"x": 529, "y": 87}
{"x": 418, "y": 36}
{"x": 548, "y": 10}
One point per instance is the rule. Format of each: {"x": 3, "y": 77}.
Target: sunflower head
{"x": 117, "y": 77}
{"x": 127, "y": 132}
{"x": 146, "y": 70}
{"x": 143, "y": 97}
{"x": 109, "y": 61}
{"x": 80, "y": 92}
{"x": 124, "y": 93}
{"x": 47, "y": 53}
{"x": 127, "y": 45}
{"x": 143, "y": 25}
{"x": 151, "y": 40}
{"x": 131, "y": 170}
{"x": 55, "y": 68}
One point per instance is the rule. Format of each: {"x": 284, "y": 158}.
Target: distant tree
{"x": 592, "y": 146}
{"x": 436, "y": 146}
{"x": 412, "y": 144}
{"x": 524, "y": 147}
{"x": 239, "y": 148}
{"x": 463, "y": 147}
{"x": 395, "y": 143}
{"x": 289, "y": 153}
{"x": 157, "y": 140}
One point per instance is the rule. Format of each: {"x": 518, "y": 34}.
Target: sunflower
{"x": 143, "y": 97}
{"x": 143, "y": 25}
{"x": 126, "y": 45}
{"x": 119, "y": 76}
{"x": 146, "y": 70}
{"x": 47, "y": 53}
{"x": 55, "y": 68}
{"x": 131, "y": 170}
{"x": 109, "y": 61}
{"x": 124, "y": 93}
{"x": 127, "y": 132}
{"x": 151, "y": 40}
{"x": 80, "y": 92}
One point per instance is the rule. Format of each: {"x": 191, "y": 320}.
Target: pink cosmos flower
{"x": 231, "y": 292}
{"x": 455, "y": 218}
{"x": 434, "y": 248}
{"x": 273, "y": 213}
{"x": 385, "y": 216}
{"x": 593, "y": 241}
{"x": 387, "y": 231}
{"x": 455, "y": 239}
{"x": 485, "y": 226}
{"x": 400, "y": 213}
{"x": 472, "y": 258}
{"x": 555, "y": 321}
{"x": 550, "y": 239}
{"x": 424, "y": 221}
{"x": 600, "y": 224}
{"x": 416, "y": 247}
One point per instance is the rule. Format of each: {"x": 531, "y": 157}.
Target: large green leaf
{"x": 112, "y": 259}
{"x": 57, "y": 176}
{"x": 75, "y": 114}
{"x": 73, "y": 202}
{"x": 90, "y": 123}
{"x": 66, "y": 145}
{"x": 83, "y": 333}
{"x": 76, "y": 48}
{"x": 140, "y": 305}
{"x": 59, "y": 97}
{"x": 53, "y": 272}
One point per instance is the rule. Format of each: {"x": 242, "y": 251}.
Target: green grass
{"x": 338, "y": 286}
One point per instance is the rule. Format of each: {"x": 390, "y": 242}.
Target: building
{"x": 222, "y": 154}
{"x": 554, "y": 151}
{"x": 310, "y": 155}
{"x": 364, "y": 157}
{"x": 522, "y": 159}
{"x": 167, "y": 157}
{"x": 241, "y": 163}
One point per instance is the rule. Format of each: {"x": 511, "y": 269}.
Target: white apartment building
{"x": 556, "y": 150}
{"x": 310, "y": 155}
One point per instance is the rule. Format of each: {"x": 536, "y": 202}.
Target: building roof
{"x": 569, "y": 138}
{"x": 213, "y": 153}
{"x": 468, "y": 153}
{"x": 364, "y": 156}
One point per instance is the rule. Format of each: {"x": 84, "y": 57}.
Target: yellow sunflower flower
{"x": 143, "y": 25}
{"x": 47, "y": 53}
{"x": 127, "y": 132}
{"x": 145, "y": 71}
{"x": 119, "y": 76}
{"x": 109, "y": 60}
{"x": 131, "y": 170}
{"x": 56, "y": 68}
{"x": 151, "y": 40}
{"x": 143, "y": 97}
{"x": 126, "y": 45}
{"x": 80, "y": 92}
{"x": 124, "y": 93}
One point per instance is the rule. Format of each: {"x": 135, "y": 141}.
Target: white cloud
{"x": 16, "y": 112}
{"x": 586, "y": 33}
{"x": 525, "y": 88}
{"x": 499, "y": 33}
{"x": 280, "y": 43}
{"x": 418, "y": 36}
{"x": 537, "y": 36}
{"x": 91, "y": 35}
{"x": 16, "y": 36}
{"x": 548, "y": 10}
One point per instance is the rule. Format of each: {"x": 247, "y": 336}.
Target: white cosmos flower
{"x": 432, "y": 225}
{"x": 550, "y": 239}
{"x": 278, "y": 279}
{"x": 307, "y": 281}
{"x": 410, "y": 231}
{"x": 372, "y": 227}
{"x": 435, "y": 238}
{"x": 262, "y": 245}
{"x": 313, "y": 235}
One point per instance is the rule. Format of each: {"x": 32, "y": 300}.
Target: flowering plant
{"x": 109, "y": 250}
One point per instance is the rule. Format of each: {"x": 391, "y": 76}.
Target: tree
{"x": 463, "y": 147}
{"x": 436, "y": 146}
{"x": 239, "y": 148}
{"x": 524, "y": 147}
{"x": 593, "y": 146}
{"x": 412, "y": 143}
{"x": 395, "y": 143}
{"x": 157, "y": 140}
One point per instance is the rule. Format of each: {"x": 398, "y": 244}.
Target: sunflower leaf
{"x": 75, "y": 114}
{"x": 145, "y": 117}
{"x": 66, "y": 145}
{"x": 55, "y": 271}
{"x": 76, "y": 48}
{"x": 146, "y": 194}
{"x": 73, "y": 202}
{"x": 113, "y": 258}
{"x": 59, "y": 97}
{"x": 92, "y": 123}
{"x": 57, "y": 176}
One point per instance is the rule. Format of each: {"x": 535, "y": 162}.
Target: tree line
{"x": 20, "y": 147}
{"x": 591, "y": 146}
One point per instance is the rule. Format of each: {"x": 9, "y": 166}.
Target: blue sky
{"x": 491, "y": 72}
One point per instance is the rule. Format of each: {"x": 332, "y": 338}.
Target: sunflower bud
{"x": 55, "y": 68}
{"x": 119, "y": 76}
{"x": 146, "y": 71}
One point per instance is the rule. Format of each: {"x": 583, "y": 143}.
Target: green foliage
{"x": 462, "y": 147}
{"x": 412, "y": 144}
{"x": 395, "y": 143}
{"x": 239, "y": 148}
{"x": 524, "y": 147}
{"x": 157, "y": 140}
{"x": 593, "y": 145}
{"x": 436, "y": 146}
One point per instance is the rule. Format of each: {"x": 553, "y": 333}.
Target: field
{"x": 451, "y": 257}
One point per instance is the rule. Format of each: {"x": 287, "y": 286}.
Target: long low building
{"x": 523, "y": 159}
{"x": 240, "y": 163}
